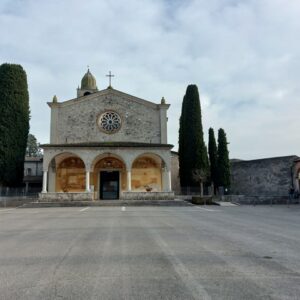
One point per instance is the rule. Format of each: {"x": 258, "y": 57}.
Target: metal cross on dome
{"x": 110, "y": 76}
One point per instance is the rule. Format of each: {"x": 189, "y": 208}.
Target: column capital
{"x": 88, "y": 169}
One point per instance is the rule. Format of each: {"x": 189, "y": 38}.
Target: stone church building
{"x": 106, "y": 145}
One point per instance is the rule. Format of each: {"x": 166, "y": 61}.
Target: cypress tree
{"x": 223, "y": 164}
{"x": 14, "y": 123}
{"x": 181, "y": 142}
{"x": 212, "y": 152}
{"x": 192, "y": 149}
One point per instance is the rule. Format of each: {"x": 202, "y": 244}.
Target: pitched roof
{"x": 107, "y": 92}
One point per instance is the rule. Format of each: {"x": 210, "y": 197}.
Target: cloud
{"x": 243, "y": 55}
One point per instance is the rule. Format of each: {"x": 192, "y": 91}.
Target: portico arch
{"x": 99, "y": 157}
{"x": 108, "y": 176}
{"x": 70, "y": 175}
{"x": 147, "y": 173}
{"x": 50, "y": 158}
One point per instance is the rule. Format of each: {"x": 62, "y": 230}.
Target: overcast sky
{"x": 244, "y": 57}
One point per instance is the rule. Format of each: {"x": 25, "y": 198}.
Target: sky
{"x": 244, "y": 56}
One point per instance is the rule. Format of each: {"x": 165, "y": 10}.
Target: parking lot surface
{"x": 185, "y": 253}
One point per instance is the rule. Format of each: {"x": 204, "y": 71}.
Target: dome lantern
{"x": 88, "y": 81}
{"x": 88, "y": 85}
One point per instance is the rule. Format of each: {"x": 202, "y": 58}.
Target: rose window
{"x": 109, "y": 122}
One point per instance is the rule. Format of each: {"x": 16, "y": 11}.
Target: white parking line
{"x": 207, "y": 209}
{"x": 86, "y": 208}
{"x": 2, "y": 210}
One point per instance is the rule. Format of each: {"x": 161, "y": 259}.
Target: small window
{"x": 29, "y": 171}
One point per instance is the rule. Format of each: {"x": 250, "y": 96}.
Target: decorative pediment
{"x": 108, "y": 92}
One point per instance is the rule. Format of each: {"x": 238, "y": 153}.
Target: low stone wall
{"x": 254, "y": 200}
{"x": 62, "y": 197}
{"x": 147, "y": 196}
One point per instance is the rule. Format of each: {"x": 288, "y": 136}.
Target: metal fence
{"x": 207, "y": 191}
{"x": 19, "y": 192}
{"x": 222, "y": 194}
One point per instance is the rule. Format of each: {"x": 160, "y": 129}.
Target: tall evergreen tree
{"x": 192, "y": 149}
{"x": 14, "y": 123}
{"x": 213, "y": 156}
{"x": 223, "y": 164}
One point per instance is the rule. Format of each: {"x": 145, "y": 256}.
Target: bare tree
{"x": 200, "y": 176}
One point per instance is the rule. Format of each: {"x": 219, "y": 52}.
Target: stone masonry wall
{"x": 60, "y": 197}
{"x": 77, "y": 121}
{"x": 271, "y": 176}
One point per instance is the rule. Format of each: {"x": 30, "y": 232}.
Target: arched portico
{"x": 73, "y": 173}
{"x": 65, "y": 173}
{"x": 146, "y": 173}
{"x": 149, "y": 173}
{"x": 70, "y": 175}
{"x": 108, "y": 178}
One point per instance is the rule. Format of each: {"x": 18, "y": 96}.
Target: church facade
{"x": 106, "y": 145}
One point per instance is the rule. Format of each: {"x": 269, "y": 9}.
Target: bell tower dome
{"x": 88, "y": 85}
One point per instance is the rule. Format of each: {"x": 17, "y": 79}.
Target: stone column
{"x": 87, "y": 181}
{"x": 167, "y": 187}
{"x": 44, "y": 182}
{"x": 169, "y": 181}
{"x": 52, "y": 177}
{"x": 128, "y": 180}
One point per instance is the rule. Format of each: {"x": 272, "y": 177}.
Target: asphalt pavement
{"x": 210, "y": 252}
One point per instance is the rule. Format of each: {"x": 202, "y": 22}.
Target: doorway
{"x": 109, "y": 185}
